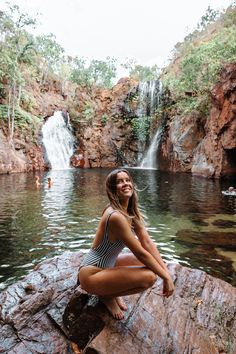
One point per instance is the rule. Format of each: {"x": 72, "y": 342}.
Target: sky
{"x": 144, "y": 30}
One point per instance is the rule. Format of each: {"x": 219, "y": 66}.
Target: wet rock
{"x": 217, "y": 263}
{"x": 216, "y": 238}
{"x": 224, "y": 223}
{"x": 199, "y": 317}
{"x": 192, "y": 320}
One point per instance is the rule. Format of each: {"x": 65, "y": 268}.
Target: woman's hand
{"x": 168, "y": 287}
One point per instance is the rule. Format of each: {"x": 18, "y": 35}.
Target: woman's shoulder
{"x": 114, "y": 215}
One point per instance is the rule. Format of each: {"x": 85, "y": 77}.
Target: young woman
{"x": 107, "y": 273}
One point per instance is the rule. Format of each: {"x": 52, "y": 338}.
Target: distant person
{"x": 81, "y": 160}
{"x": 231, "y": 189}
{"x": 37, "y": 181}
{"x": 107, "y": 273}
{"x": 49, "y": 182}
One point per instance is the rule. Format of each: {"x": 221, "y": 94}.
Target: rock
{"x": 47, "y": 313}
{"x": 204, "y": 146}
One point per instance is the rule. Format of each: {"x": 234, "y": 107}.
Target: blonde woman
{"x": 107, "y": 273}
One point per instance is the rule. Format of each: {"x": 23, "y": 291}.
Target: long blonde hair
{"x": 132, "y": 213}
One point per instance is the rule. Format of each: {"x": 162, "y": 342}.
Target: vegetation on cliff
{"x": 27, "y": 61}
{"x": 198, "y": 60}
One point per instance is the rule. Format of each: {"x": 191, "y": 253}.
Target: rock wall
{"x": 204, "y": 146}
{"x": 47, "y": 313}
{"x": 101, "y": 120}
{"x": 107, "y": 141}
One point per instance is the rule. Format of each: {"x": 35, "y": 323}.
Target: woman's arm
{"x": 148, "y": 244}
{"x": 119, "y": 227}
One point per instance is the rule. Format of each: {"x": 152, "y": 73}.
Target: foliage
{"x": 141, "y": 127}
{"x": 209, "y": 17}
{"x": 28, "y": 101}
{"x": 22, "y": 118}
{"x": 88, "y": 112}
{"x": 145, "y": 73}
{"x": 97, "y": 72}
{"x": 49, "y": 51}
{"x": 139, "y": 72}
{"x": 104, "y": 119}
{"x": 16, "y": 46}
{"x": 200, "y": 65}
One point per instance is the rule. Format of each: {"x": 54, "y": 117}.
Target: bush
{"x": 200, "y": 65}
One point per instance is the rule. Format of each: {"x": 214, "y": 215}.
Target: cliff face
{"x": 101, "y": 121}
{"x": 108, "y": 140}
{"x": 205, "y": 147}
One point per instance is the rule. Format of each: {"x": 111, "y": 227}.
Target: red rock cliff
{"x": 204, "y": 147}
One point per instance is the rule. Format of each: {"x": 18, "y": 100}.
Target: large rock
{"x": 11, "y": 160}
{"x": 47, "y": 313}
{"x": 204, "y": 146}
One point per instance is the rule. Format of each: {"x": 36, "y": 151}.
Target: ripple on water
{"x": 38, "y": 223}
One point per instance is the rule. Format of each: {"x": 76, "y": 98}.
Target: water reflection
{"x": 188, "y": 217}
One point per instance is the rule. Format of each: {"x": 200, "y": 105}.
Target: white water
{"x": 150, "y": 97}
{"x": 150, "y": 160}
{"x": 58, "y": 141}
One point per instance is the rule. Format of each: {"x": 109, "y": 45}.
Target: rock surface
{"x": 102, "y": 123}
{"x": 204, "y": 146}
{"x": 47, "y": 313}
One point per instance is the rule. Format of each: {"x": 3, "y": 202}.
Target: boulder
{"x": 47, "y": 312}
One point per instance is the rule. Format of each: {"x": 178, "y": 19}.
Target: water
{"x": 150, "y": 93}
{"x": 188, "y": 218}
{"x": 150, "y": 97}
{"x": 58, "y": 141}
{"x": 150, "y": 159}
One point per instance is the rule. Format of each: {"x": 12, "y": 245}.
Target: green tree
{"x": 102, "y": 72}
{"x": 209, "y": 17}
{"x": 140, "y": 72}
{"x": 50, "y": 55}
{"x": 97, "y": 72}
{"x": 79, "y": 72}
{"x": 17, "y": 46}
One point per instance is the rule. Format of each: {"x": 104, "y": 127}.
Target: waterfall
{"x": 150, "y": 97}
{"x": 58, "y": 141}
{"x": 150, "y": 160}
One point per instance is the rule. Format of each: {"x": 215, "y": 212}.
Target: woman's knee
{"x": 150, "y": 279}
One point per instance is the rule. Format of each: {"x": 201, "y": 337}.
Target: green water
{"x": 188, "y": 218}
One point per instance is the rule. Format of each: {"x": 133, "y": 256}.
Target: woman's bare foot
{"x": 113, "y": 307}
{"x": 121, "y": 303}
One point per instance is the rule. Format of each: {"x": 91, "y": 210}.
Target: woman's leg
{"x": 127, "y": 259}
{"x": 113, "y": 282}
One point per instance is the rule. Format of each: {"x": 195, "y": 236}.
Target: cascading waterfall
{"x": 150, "y": 95}
{"x": 150, "y": 160}
{"x": 58, "y": 141}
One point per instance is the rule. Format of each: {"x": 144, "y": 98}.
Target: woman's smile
{"x": 124, "y": 186}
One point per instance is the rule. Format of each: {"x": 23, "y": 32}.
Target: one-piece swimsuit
{"x": 105, "y": 254}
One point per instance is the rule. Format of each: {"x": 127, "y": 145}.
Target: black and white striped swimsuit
{"x": 105, "y": 255}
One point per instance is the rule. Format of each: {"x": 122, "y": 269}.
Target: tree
{"x": 102, "y": 72}
{"x": 50, "y": 55}
{"x": 16, "y": 44}
{"x": 98, "y": 72}
{"x": 209, "y": 17}
{"x": 140, "y": 72}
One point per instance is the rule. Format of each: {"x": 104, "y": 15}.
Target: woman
{"x": 109, "y": 275}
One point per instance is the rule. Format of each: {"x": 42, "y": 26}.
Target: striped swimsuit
{"x": 104, "y": 255}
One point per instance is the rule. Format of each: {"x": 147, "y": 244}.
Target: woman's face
{"x": 124, "y": 186}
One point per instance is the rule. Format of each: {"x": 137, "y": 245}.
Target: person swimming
{"x": 37, "y": 181}
{"x": 50, "y": 182}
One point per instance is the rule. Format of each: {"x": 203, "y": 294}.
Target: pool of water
{"x": 188, "y": 217}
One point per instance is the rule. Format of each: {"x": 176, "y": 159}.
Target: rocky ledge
{"x": 47, "y": 313}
